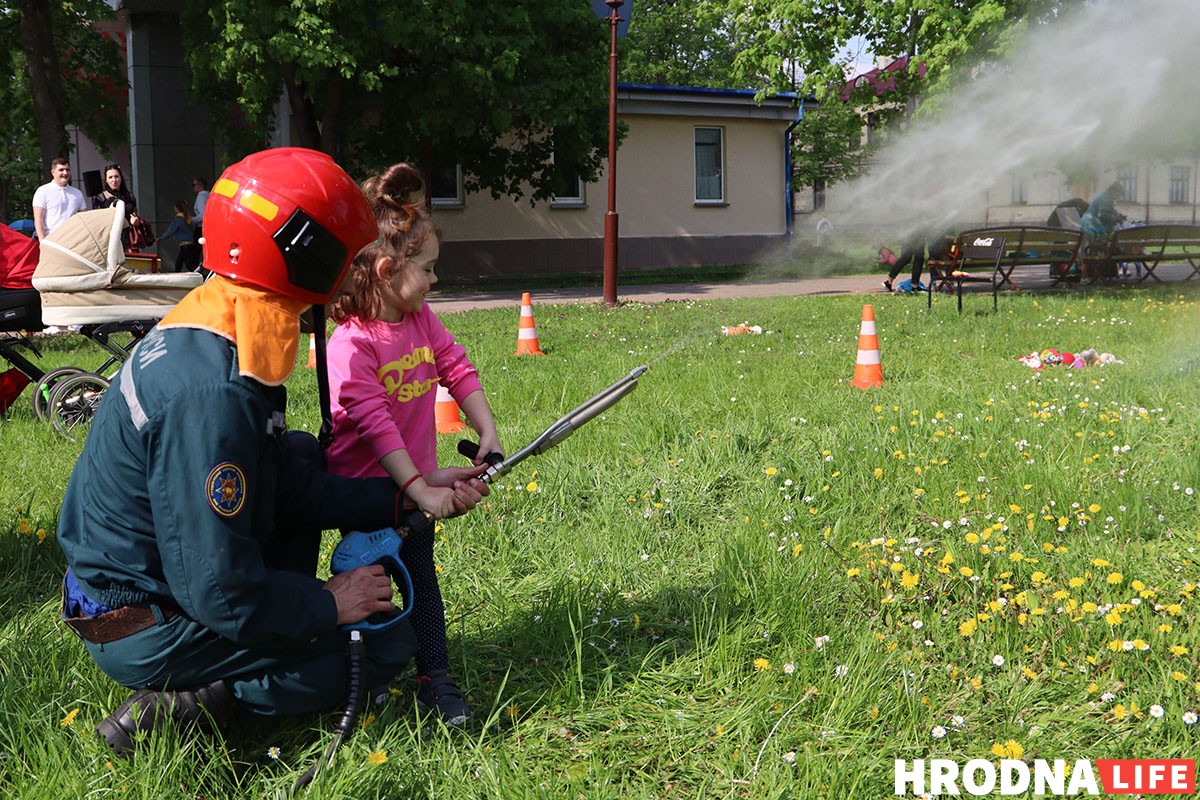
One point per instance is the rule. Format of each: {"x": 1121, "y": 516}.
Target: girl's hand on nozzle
{"x": 488, "y": 444}
{"x": 437, "y": 501}
{"x": 464, "y": 482}
{"x": 461, "y": 485}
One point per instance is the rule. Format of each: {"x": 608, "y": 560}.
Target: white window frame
{"x": 458, "y": 200}
{"x": 1179, "y": 184}
{"x": 577, "y": 200}
{"x": 1020, "y": 189}
{"x": 721, "y": 166}
{"x": 1128, "y": 178}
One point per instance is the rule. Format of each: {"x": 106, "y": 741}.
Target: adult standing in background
{"x": 824, "y": 230}
{"x": 57, "y": 201}
{"x": 117, "y": 190}
{"x": 200, "y": 187}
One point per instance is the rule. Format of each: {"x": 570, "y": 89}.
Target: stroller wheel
{"x": 45, "y": 388}
{"x": 74, "y": 401}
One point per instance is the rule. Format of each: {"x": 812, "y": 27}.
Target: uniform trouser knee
{"x": 272, "y": 679}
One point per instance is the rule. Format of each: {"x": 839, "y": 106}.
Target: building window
{"x": 1181, "y": 181}
{"x": 571, "y": 195}
{"x": 710, "y": 166}
{"x": 1127, "y": 177}
{"x": 1020, "y": 190}
{"x": 446, "y": 187}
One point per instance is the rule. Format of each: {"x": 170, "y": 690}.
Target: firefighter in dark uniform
{"x": 192, "y": 520}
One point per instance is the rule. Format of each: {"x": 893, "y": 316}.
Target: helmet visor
{"x": 314, "y": 257}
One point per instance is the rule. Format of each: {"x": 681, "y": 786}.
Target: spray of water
{"x": 1116, "y": 82}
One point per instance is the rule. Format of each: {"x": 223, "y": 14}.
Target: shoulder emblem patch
{"x": 226, "y": 487}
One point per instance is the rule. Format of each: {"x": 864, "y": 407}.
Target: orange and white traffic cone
{"x": 312, "y": 351}
{"x": 868, "y": 370}
{"x": 446, "y": 412}
{"x": 527, "y": 341}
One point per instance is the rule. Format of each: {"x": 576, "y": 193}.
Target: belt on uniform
{"x": 119, "y": 623}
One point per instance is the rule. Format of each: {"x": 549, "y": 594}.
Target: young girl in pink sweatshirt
{"x": 387, "y": 357}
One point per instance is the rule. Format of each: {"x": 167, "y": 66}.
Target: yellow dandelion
{"x": 23, "y": 526}
{"x": 1116, "y": 645}
{"x": 531, "y": 486}
{"x": 1096, "y": 562}
{"x": 1075, "y": 583}
{"x": 1094, "y": 508}
{"x": 853, "y": 572}
{"x": 1010, "y": 749}
{"x": 377, "y": 757}
{"x": 1119, "y": 711}
{"x": 720, "y": 729}
{"x": 1178, "y": 676}
{"x": 968, "y": 628}
{"x": 878, "y": 472}
{"x": 1093, "y": 688}
{"x": 1179, "y": 650}
{"x": 1115, "y": 577}
{"x": 1112, "y": 618}
{"x": 909, "y": 580}
{"x": 761, "y": 664}
{"x": 69, "y": 718}
{"x": 770, "y": 470}
{"x": 966, "y": 572}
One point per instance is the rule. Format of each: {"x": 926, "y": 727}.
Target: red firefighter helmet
{"x": 289, "y": 220}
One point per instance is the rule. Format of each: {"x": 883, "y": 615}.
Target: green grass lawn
{"x": 747, "y": 579}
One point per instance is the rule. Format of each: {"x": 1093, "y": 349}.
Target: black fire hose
{"x": 356, "y": 651}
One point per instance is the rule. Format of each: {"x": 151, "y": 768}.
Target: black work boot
{"x": 209, "y": 706}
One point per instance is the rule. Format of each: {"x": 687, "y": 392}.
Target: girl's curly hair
{"x": 397, "y": 197}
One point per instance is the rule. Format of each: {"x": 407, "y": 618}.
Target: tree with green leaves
{"x": 56, "y": 70}
{"x": 681, "y": 43}
{"x": 793, "y": 45}
{"x": 510, "y": 92}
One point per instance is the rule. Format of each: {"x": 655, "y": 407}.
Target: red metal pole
{"x": 610, "y": 218}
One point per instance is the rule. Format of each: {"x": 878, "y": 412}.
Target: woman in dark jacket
{"x": 115, "y": 189}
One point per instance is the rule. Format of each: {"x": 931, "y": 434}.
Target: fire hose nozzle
{"x": 564, "y": 427}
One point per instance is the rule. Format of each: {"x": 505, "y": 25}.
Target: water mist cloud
{"x": 1116, "y": 82}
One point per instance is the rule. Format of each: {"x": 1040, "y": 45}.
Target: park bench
{"x": 1146, "y": 246}
{"x": 999, "y": 251}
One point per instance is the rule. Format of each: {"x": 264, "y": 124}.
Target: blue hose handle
{"x": 361, "y": 549}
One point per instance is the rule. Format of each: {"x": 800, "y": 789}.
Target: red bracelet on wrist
{"x": 410, "y": 482}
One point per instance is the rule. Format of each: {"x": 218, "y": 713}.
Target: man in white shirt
{"x": 56, "y": 201}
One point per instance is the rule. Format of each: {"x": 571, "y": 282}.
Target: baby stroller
{"x": 20, "y": 310}
{"x": 83, "y": 281}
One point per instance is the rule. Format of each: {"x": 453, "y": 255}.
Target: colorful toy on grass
{"x": 1080, "y": 360}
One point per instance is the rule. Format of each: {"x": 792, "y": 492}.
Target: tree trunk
{"x": 331, "y": 122}
{"x": 303, "y": 115}
{"x": 45, "y": 81}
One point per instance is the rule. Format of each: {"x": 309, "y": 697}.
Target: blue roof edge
{"x": 654, "y": 87}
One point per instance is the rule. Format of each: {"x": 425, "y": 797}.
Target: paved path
{"x": 1028, "y": 278}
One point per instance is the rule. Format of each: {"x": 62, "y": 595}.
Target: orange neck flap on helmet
{"x": 263, "y": 324}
